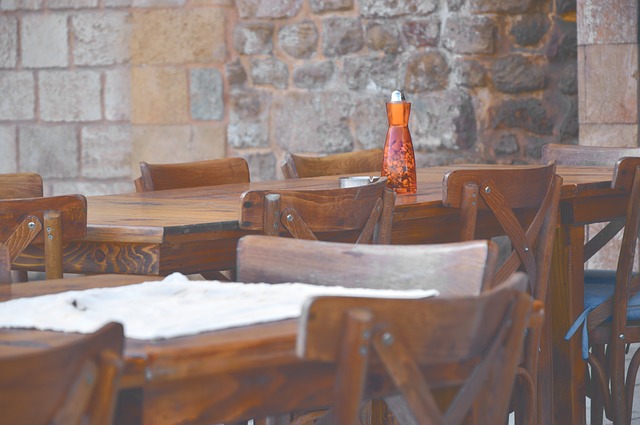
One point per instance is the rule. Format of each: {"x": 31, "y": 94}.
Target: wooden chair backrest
{"x": 279, "y": 260}
{"x": 69, "y": 384}
{"x": 49, "y": 221}
{"x": 576, "y": 155}
{"x": 365, "y": 161}
{"x": 20, "y": 185}
{"x": 474, "y": 342}
{"x": 192, "y": 174}
{"x": 360, "y": 214}
{"x": 5, "y": 264}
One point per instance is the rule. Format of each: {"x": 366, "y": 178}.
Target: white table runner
{"x": 175, "y": 306}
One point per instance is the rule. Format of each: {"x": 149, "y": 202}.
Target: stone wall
{"x": 90, "y": 87}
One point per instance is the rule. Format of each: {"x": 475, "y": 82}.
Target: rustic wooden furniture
{"x": 532, "y": 192}
{"x": 192, "y": 174}
{"x": 611, "y": 319}
{"x": 312, "y": 214}
{"x": 48, "y": 222}
{"x": 71, "y": 383}
{"x": 365, "y": 161}
{"x": 5, "y": 264}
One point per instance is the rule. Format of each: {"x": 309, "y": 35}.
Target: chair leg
{"x": 618, "y": 393}
{"x": 597, "y": 401}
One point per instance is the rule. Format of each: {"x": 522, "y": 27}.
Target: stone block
{"x": 500, "y": 6}
{"x": 469, "y": 34}
{"x": 312, "y": 122}
{"x": 529, "y": 29}
{"x": 342, "y": 36}
{"x": 118, "y": 3}
{"x": 105, "y": 151}
{"x": 206, "y": 90}
{"x": 370, "y": 121}
{"x": 383, "y": 36}
{"x": 159, "y": 95}
{"x": 314, "y": 75}
{"x": 517, "y": 73}
{"x": 229, "y": 3}
{"x": 607, "y": 22}
{"x": 272, "y": 9}
{"x": 178, "y": 36}
{"x": 469, "y": 73}
{"x": 582, "y": 88}
{"x": 21, "y": 4}
{"x": 506, "y": 145}
{"x": 249, "y": 118}
{"x": 175, "y": 143}
{"x": 373, "y": 73}
{"x": 8, "y": 41}
{"x": 51, "y": 151}
{"x": 44, "y": 40}
{"x": 88, "y": 188}
{"x": 614, "y": 135}
{"x": 525, "y": 113}
{"x": 262, "y": 165}
{"x": 17, "y": 95}
{"x": 422, "y": 32}
{"x": 71, "y": 4}
{"x": 393, "y": 8}
{"x": 426, "y": 71}
{"x": 568, "y": 81}
{"x": 236, "y": 75}
{"x": 605, "y": 102}
{"x": 100, "y": 38}
{"x": 299, "y": 40}
{"x": 117, "y": 94}
{"x": 158, "y": 3}
{"x": 270, "y": 71}
{"x": 69, "y": 95}
{"x": 325, "y": 6}
{"x": 253, "y": 38}
{"x": 8, "y": 149}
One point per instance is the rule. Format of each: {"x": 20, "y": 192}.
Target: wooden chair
{"x": 45, "y": 221}
{"x": 5, "y": 265}
{"x": 278, "y": 260}
{"x": 611, "y": 319}
{"x": 524, "y": 206}
{"x": 298, "y": 166}
{"x": 192, "y": 174}
{"x": 69, "y": 384}
{"x": 593, "y": 156}
{"x": 360, "y": 214}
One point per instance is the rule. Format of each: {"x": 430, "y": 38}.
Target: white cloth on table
{"x": 175, "y": 306}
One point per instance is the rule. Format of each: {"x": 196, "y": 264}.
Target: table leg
{"x": 567, "y": 302}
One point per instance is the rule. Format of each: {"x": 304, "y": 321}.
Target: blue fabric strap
{"x": 581, "y": 320}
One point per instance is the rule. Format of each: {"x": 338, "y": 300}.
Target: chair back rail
{"x": 366, "y": 210}
{"x": 411, "y": 336}
{"x": 192, "y": 174}
{"x": 585, "y": 156}
{"x": 69, "y": 384}
{"x": 365, "y": 161}
{"x": 278, "y": 260}
{"x": 20, "y": 185}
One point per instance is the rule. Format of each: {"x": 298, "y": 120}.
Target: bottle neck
{"x": 398, "y": 113}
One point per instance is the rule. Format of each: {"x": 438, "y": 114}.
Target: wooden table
{"x": 196, "y": 230}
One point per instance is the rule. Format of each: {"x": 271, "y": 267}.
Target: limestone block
{"x": 206, "y": 91}
{"x": 607, "y": 22}
{"x": 177, "y": 36}
{"x": 393, "y": 8}
{"x": 314, "y": 75}
{"x": 100, "y": 38}
{"x": 500, "y": 6}
{"x": 383, "y": 36}
{"x": 117, "y": 94}
{"x": 270, "y": 71}
{"x": 253, "y": 38}
{"x": 17, "y": 95}
{"x": 51, "y": 151}
{"x": 262, "y": 165}
{"x": 8, "y": 149}
{"x": 517, "y": 73}
{"x": 105, "y": 151}
{"x": 422, "y": 32}
{"x": 605, "y": 102}
{"x": 469, "y": 34}
{"x": 44, "y": 40}
{"x": 159, "y": 95}
{"x": 427, "y": 71}
{"x": 69, "y": 95}
{"x": 176, "y": 143}
{"x": 249, "y": 118}
{"x": 299, "y": 40}
{"x": 342, "y": 36}
{"x": 615, "y": 135}
{"x": 21, "y": 4}
{"x": 8, "y": 41}
{"x": 526, "y": 113}
{"x": 71, "y": 4}
{"x": 324, "y": 6}
{"x": 272, "y": 9}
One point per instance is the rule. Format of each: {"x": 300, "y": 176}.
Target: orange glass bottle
{"x": 399, "y": 162}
